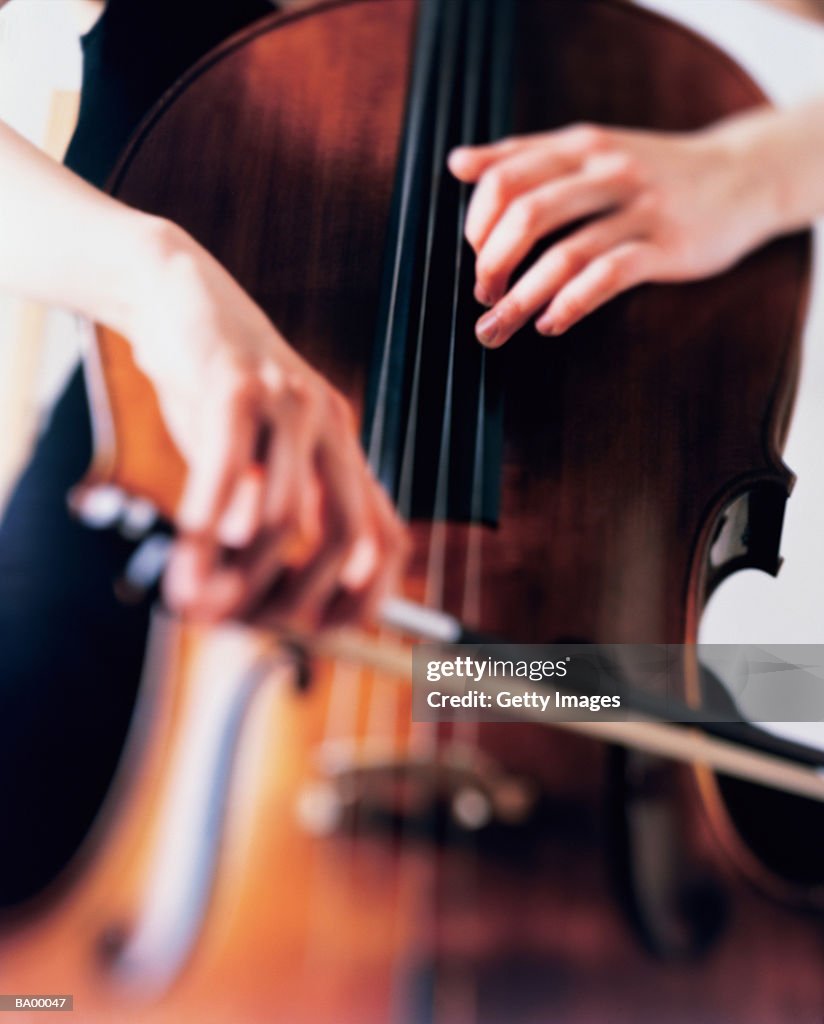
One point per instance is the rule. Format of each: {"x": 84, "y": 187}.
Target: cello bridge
{"x": 360, "y": 782}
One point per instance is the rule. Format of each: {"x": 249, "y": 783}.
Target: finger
{"x": 395, "y": 548}
{"x": 535, "y": 214}
{"x": 302, "y": 595}
{"x": 364, "y": 590}
{"x": 193, "y": 585}
{"x": 270, "y": 494}
{"x": 572, "y": 143}
{"x": 243, "y": 515}
{"x": 305, "y": 488}
{"x": 228, "y": 441}
{"x": 184, "y": 573}
{"x": 350, "y": 547}
{"x": 575, "y": 141}
{"x": 280, "y": 594}
{"x": 369, "y": 575}
{"x": 614, "y": 272}
{"x": 274, "y": 555}
{"x": 468, "y": 163}
{"x": 503, "y": 181}
{"x": 290, "y": 460}
{"x": 532, "y": 292}
{"x": 261, "y": 567}
{"x": 359, "y": 575}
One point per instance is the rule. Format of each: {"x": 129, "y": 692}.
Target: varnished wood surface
{"x": 624, "y": 442}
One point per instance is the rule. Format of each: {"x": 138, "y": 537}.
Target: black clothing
{"x": 135, "y": 51}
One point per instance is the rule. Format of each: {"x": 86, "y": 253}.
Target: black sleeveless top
{"x": 134, "y": 52}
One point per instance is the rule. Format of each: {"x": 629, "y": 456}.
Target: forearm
{"x": 65, "y": 243}
{"x": 785, "y": 152}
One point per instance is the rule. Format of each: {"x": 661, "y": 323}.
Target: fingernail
{"x": 548, "y": 326}
{"x": 482, "y": 295}
{"x": 488, "y": 328}
{"x": 454, "y": 154}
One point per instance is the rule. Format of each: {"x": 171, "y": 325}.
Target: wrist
{"x": 754, "y": 189}
{"x": 159, "y": 254}
{"x": 755, "y": 143}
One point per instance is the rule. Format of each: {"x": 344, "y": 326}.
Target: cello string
{"x": 443, "y": 989}
{"x": 454, "y": 990}
{"x": 344, "y": 707}
{"x": 498, "y": 122}
{"x": 404, "y": 244}
{"x": 497, "y": 125}
{"x": 348, "y": 684}
{"x": 445, "y": 88}
{"x": 436, "y": 563}
{"x": 466, "y": 733}
{"x": 469, "y": 119}
{"x": 426, "y": 745}
{"x": 417, "y": 874}
{"x": 382, "y": 704}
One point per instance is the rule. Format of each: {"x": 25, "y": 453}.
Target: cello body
{"x": 625, "y": 446}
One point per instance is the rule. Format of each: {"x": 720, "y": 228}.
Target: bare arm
{"x": 812, "y": 9}
{"x": 222, "y": 373}
{"x": 99, "y": 269}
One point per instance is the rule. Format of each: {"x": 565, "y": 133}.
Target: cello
{"x": 273, "y": 851}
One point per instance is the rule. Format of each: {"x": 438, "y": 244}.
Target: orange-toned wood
{"x": 132, "y": 447}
